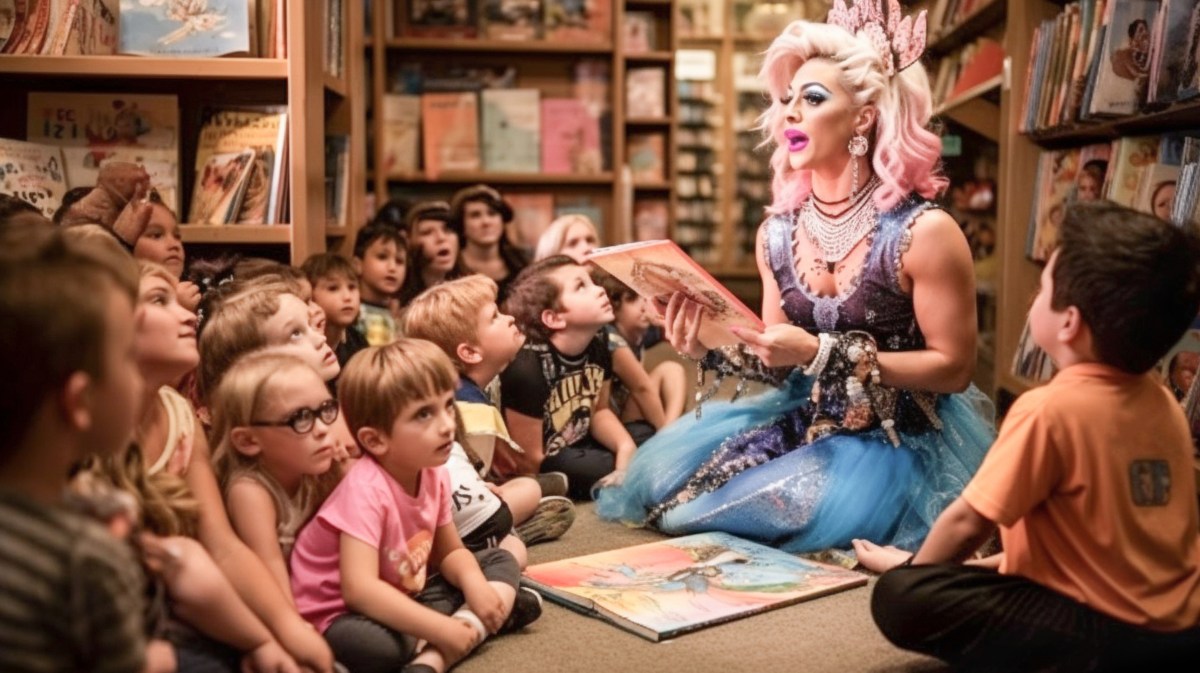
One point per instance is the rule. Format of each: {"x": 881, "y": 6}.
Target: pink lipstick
{"x": 797, "y": 139}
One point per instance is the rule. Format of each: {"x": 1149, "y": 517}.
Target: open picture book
{"x": 663, "y": 589}
{"x": 657, "y": 269}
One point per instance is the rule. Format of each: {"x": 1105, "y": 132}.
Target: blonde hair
{"x": 448, "y": 314}
{"x": 551, "y": 241}
{"x": 234, "y": 405}
{"x": 147, "y": 269}
{"x": 233, "y": 328}
{"x": 379, "y": 381}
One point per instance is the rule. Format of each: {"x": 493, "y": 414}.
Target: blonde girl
{"x": 573, "y": 234}
{"x": 274, "y": 451}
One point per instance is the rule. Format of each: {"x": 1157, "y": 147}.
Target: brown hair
{"x": 618, "y": 292}
{"x": 233, "y": 328}
{"x": 379, "y": 381}
{"x": 448, "y": 314}
{"x": 53, "y": 316}
{"x": 327, "y": 265}
{"x": 533, "y": 292}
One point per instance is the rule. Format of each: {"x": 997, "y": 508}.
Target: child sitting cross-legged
{"x": 555, "y": 393}
{"x": 274, "y": 456}
{"x": 462, "y": 318}
{"x": 1090, "y": 481}
{"x": 335, "y": 290}
{"x": 381, "y": 569}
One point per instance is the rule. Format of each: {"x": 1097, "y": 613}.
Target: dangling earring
{"x": 857, "y": 148}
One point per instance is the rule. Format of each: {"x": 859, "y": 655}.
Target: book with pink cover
{"x": 570, "y": 138}
{"x": 657, "y": 269}
{"x": 673, "y": 586}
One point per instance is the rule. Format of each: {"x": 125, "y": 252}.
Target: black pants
{"x": 363, "y": 645}
{"x": 584, "y": 464}
{"x": 979, "y": 620}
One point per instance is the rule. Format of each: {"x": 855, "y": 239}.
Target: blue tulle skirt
{"x": 812, "y": 497}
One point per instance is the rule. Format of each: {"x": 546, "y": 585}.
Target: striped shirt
{"x": 70, "y": 593}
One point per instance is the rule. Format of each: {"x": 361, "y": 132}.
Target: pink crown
{"x": 900, "y": 42}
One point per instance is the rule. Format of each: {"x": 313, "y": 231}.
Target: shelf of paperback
{"x": 236, "y": 233}
{"x": 981, "y": 20}
{"x": 145, "y": 68}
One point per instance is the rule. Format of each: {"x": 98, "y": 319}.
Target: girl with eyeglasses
{"x": 274, "y": 451}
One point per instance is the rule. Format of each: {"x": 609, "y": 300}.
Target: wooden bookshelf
{"x": 539, "y": 64}
{"x": 299, "y": 82}
{"x": 976, "y": 24}
{"x": 1178, "y": 116}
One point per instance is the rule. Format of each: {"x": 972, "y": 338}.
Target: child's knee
{"x": 894, "y": 606}
{"x": 499, "y": 565}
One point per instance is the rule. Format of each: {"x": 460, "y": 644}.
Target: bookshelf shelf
{"x": 465, "y": 178}
{"x": 649, "y": 121}
{"x": 335, "y": 85}
{"x": 236, "y": 233}
{"x": 976, "y": 108}
{"x": 337, "y": 230}
{"x": 1177, "y": 116}
{"x": 146, "y": 68}
{"x": 419, "y": 44}
{"x": 652, "y": 186}
{"x": 650, "y": 57}
{"x": 688, "y": 41}
{"x": 977, "y": 23}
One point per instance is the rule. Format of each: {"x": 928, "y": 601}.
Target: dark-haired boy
{"x": 380, "y": 258}
{"x": 1090, "y": 480}
{"x": 70, "y": 592}
{"x": 335, "y": 289}
{"x": 555, "y": 393}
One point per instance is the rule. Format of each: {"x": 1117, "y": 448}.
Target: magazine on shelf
{"x": 657, "y": 269}
{"x": 262, "y": 129}
{"x": 673, "y": 586}
{"x": 34, "y": 173}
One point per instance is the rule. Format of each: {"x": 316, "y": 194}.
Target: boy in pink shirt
{"x": 381, "y": 568}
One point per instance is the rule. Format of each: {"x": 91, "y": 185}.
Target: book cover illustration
{"x": 1132, "y": 157}
{"x": 34, "y": 173}
{"x": 511, "y": 19}
{"x": 579, "y": 21}
{"x": 645, "y": 92}
{"x": 1055, "y": 187}
{"x": 670, "y": 587}
{"x": 657, "y": 269}
{"x": 263, "y": 130}
{"x": 442, "y": 19}
{"x": 570, "y": 138}
{"x": 1125, "y": 65}
{"x": 511, "y": 127}
{"x": 220, "y": 187}
{"x": 185, "y": 27}
{"x": 640, "y": 32}
{"x": 401, "y": 133}
{"x": 97, "y": 128}
{"x": 450, "y": 132}
{"x": 644, "y": 153}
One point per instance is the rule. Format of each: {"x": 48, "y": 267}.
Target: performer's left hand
{"x": 879, "y": 559}
{"x": 780, "y": 345}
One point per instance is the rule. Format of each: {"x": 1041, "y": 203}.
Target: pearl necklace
{"x": 836, "y": 236}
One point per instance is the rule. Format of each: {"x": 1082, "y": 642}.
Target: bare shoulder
{"x": 249, "y": 492}
{"x": 937, "y": 239}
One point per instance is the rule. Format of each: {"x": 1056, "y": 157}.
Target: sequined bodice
{"x": 875, "y": 303}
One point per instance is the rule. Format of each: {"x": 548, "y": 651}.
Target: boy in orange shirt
{"x": 1090, "y": 481}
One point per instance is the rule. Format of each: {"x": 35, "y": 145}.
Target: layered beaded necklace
{"x": 836, "y": 235}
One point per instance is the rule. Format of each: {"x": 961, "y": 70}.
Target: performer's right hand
{"x": 682, "y": 325}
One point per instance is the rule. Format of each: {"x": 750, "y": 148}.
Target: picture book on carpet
{"x": 667, "y": 588}
{"x": 657, "y": 269}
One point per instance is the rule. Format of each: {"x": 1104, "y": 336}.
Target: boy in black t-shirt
{"x": 555, "y": 393}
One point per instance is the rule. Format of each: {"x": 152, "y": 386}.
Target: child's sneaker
{"x": 527, "y": 607}
{"x": 553, "y": 516}
{"x": 552, "y": 483}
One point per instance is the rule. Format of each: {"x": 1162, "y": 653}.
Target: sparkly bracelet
{"x": 826, "y": 342}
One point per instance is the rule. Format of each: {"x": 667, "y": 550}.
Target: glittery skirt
{"x": 775, "y": 488}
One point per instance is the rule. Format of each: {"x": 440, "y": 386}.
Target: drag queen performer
{"x": 869, "y": 301}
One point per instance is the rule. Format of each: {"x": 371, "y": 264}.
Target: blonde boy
{"x": 462, "y": 318}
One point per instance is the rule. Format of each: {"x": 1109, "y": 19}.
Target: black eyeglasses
{"x": 303, "y": 419}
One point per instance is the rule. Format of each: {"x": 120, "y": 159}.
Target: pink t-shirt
{"x": 370, "y": 506}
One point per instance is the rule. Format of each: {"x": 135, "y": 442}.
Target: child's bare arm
{"x": 367, "y": 594}
{"x": 246, "y": 572}
{"x": 610, "y": 432}
{"x": 252, "y": 513}
{"x": 459, "y": 567}
{"x": 633, "y": 374}
{"x": 956, "y": 534}
{"x": 526, "y": 431}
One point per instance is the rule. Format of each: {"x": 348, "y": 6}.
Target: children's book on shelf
{"x": 511, "y": 126}
{"x": 570, "y": 138}
{"x": 59, "y": 27}
{"x": 450, "y": 132}
{"x": 511, "y": 19}
{"x": 1131, "y": 157}
{"x": 640, "y": 32}
{"x": 401, "y": 133}
{"x": 337, "y": 179}
{"x": 442, "y": 19}
{"x": 1124, "y": 68}
{"x": 644, "y": 153}
{"x": 532, "y": 213}
{"x": 651, "y": 218}
{"x": 645, "y": 92}
{"x": 221, "y": 187}
{"x": 1030, "y": 361}
{"x": 657, "y": 269}
{"x": 1057, "y": 172}
{"x": 95, "y": 128}
{"x": 587, "y": 21}
{"x": 228, "y": 132}
{"x": 33, "y": 172}
{"x": 667, "y": 588}
{"x": 186, "y": 29}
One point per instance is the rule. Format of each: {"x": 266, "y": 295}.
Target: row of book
{"x": 570, "y": 21}
{"x": 516, "y": 130}
{"x": 1105, "y": 58}
{"x": 168, "y": 28}
{"x": 960, "y": 74}
{"x": 946, "y": 15}
{"x": 1154, "y": 174}
{"x": 241, "y": 154}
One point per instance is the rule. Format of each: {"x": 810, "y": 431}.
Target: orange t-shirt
{"x": 1091, "y": 481}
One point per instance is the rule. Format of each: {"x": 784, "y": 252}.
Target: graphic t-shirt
{"x": 471, "y": 501}
{"x": 370, "y": 506}
{"x": 376, "y": 324}
{"x": 485, "y": 432}
{"x": 561, "y": 389}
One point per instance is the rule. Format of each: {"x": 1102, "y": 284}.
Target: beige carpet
{"x": 834, "y": 633}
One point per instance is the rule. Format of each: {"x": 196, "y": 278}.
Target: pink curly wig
{"x": 906, "y": 152}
